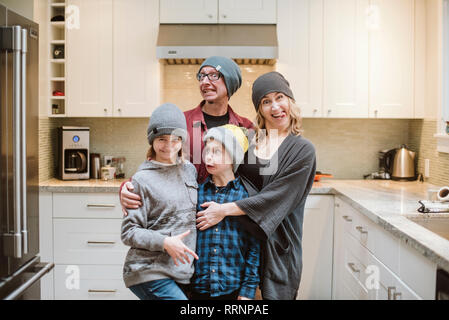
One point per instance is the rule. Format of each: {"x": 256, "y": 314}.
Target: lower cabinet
{"x": 371, "y": 264}
{"x": 86, "y": 247}
{"x": 317, "y": 246}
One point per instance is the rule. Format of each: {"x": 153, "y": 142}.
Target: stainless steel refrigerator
{"x": 20, "y": 265}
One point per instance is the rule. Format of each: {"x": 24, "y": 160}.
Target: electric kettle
{"x": 403, "y": 166}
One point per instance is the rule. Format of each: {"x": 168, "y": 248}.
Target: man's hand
{"x": 213, "y": 214}
{"x": 177, "y": 249}
{"x": 128, "y": 199}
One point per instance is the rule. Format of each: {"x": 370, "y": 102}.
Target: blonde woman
{"x": 278, "y": 173}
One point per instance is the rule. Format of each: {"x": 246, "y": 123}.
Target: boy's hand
{"x": 209, "y": 217}
{"x": 243, "y": 298}
{"x": 128, "y": 199}
{"x": 177, "y": 249}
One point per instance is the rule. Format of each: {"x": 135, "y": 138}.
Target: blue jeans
{"x": 163, "y": 289}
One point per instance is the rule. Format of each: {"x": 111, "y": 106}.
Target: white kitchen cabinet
{"x": 392, "y": 58}
{"x": 369, "y": 263}
{"x": 81, "y": 234}
{"x": 317, "y": 246}
{"x": 218, "y": 11}
{"x": 300, "y": 37}
{"x": 248, "y": 11}
{"x": 188, "y": 11}
{"x": 112, "y": 68}
{"x": 354, "y": 58}
{"x": 345, "y": 59}
{"x": 135, "y": 66}
{"x": 89, "y": 60}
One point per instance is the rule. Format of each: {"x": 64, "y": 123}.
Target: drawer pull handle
{"x": 360, "y": 229}
{"x": 101, "y": 205}
{"x": 347, "y": 218}
{"x": 353, "y": 268}
{"x": 101, "y": 242}
{"x": 397, "y": 296}
{"x": 101, "y": 291}
{"x": 390, "y": 292}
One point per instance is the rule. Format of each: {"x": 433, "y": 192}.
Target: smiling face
{"x": 212, "y": 91}
{"x": 216, "y": 158}
{"x": 166, "y": 148}
{"x": 275, "y": 109}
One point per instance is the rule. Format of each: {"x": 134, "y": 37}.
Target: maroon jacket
{"x": 196, "y": 127}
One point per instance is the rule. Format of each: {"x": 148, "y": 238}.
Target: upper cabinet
{"x": 112, "y": 68}
{"x": 218, "y": 11}
{"x": 354, "y": 58}
{"x": 188, "y": 11}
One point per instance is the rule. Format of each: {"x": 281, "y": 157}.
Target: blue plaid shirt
{"x": 229, "y": 256}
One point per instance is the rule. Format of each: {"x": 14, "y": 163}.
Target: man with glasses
{"x": 219, "y": 78}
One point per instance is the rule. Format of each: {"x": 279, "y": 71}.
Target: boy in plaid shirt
{"x": 229, "y": 257}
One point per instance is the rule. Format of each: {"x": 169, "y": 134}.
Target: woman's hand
{"x": 213, "y": 214}
{"x": 177, "y": 249}
{"x": 243, "y": 298}
{"x": 128, "y": 199}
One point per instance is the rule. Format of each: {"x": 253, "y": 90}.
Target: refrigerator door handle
{"x": 16, "y": 51}
{"x": 39, "y": 274}
{"x": 24, "y": 140}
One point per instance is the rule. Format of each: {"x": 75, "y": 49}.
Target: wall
{"x": 22, "y": 7}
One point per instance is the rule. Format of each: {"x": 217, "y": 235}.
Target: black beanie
{"x": 268, "y": 83}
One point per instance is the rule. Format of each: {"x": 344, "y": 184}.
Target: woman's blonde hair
{"x": 295, "y": 126}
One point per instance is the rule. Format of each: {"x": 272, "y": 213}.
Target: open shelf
{"x": 57, "y": 46}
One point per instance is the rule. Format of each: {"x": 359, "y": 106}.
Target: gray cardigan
{"x": 169, "y": 198}
{"x": 275, "y": 214}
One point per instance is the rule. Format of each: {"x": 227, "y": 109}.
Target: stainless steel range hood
{"x": 192, "y": 43}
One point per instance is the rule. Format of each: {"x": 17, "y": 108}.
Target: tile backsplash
{"x": 347, "y": 148}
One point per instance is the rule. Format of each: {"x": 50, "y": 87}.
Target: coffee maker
{"x": 73, "y": 153}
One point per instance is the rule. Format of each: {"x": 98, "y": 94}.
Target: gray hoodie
{"x": 169, "y": 198}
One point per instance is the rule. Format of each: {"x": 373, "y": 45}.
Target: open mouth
{"x": 279, "y": 115}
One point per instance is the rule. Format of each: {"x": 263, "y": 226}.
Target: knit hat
{"x": 167, "y": 119}
{"x": 233, "y": 139}
{"x": 229, "y": 69}
{"x": 268, "y": 83}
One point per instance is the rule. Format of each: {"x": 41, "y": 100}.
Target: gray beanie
{"x": 268, "y": 83}
{"x": 229, "y": 69}
{"x": 167, "y": 119}
{"x": 234, "y": 140}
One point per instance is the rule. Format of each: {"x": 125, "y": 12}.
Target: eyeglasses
{"x": 213, "y": 76}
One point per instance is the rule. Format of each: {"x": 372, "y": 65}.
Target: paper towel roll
{"x": 443, "y": 194}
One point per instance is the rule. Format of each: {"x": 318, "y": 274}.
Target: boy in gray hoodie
{"x": 162, "y": 233}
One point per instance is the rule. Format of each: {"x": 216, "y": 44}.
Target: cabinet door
{"x": 188, "y": 11}
{"x": 316, "y": 279}
{"x": 248, "y": 11}
{"x": 391, "y": 58}
{"x": 89, "y": 60}
{"x": 136, "y": 69}
{"x": 345, "y": 86}
{"x": 300, "y": 36}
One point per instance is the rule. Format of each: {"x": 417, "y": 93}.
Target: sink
{"x": 438, "y": 225}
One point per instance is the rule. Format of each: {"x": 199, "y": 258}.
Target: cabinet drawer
{"x": 90, "y": 283}
{"x": 88, "y": 241}
{"x": 369, "y": 266}
{"x": 379, "y": 242}
{"x": 87, "y": 205}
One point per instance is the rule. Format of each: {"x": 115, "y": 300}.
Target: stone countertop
{"x": 81, "y": 186}
{"x": 385, "y": 202}
{"x": 388, "y": 204}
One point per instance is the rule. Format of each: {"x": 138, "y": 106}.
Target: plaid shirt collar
{"x": 235, "y": 184}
